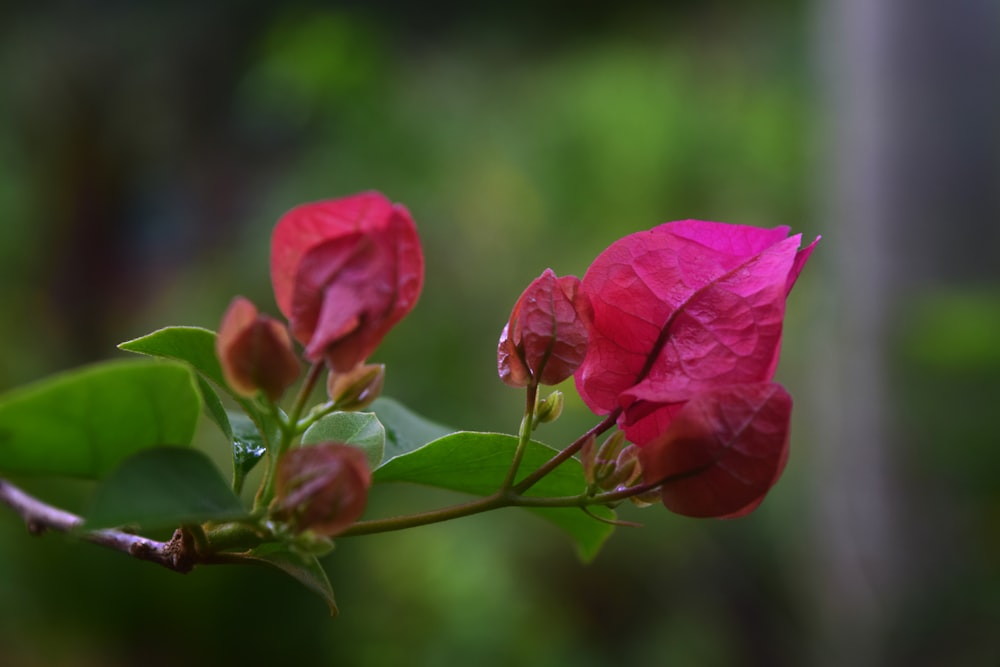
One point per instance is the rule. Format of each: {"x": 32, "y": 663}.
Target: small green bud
{"x": 651, "y": 497}
{"x": 587, "y": 456}
{"x": 626, "y": 471}
{"x": 606, "y": 460}
{"x": 550, "y": 409}
{"x": 356, "y": 389}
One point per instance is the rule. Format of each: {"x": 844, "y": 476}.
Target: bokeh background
{"x": 146, "y": 150}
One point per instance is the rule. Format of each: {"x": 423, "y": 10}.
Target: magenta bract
{"x": 345, "y": 271}
{"x": 680, "y": 309}
{"x": 723, "y": 451}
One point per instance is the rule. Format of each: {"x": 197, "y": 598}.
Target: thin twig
{"x": 179, "y": 554}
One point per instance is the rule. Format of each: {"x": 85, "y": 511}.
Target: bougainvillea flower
{"x": 722, "y": 452}
{"x": 545, "y": 339}
{"x": 255, "y": 351}
{"x": 682, "y": 309}
{"x": 345, "y": 271}
{"x": 322, "y": 488}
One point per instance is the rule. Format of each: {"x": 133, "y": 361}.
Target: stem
{"x": 524, "y": 435}
{"x": 303, "y": 396}
{"x": 289, "y": 429}
{"x": 565, "y": 454}
{"x": 477, "y": 506}
{"x": 179, "y": 554}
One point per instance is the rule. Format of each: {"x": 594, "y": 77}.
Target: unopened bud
{"x": 545, "y": 339}
{"x": 550, "y": 409}
{"x": 626, "y": 471}
{"x": 606, "y": 459}
{"x": 255, "y": 352}
{"x": 321, "y": 488}
{"x": 587, "y": 459}
{"x": 647, "y": 498}
{"x": 356, "y": 389}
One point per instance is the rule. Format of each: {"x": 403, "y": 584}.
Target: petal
{"x": 723, "y": 451}
{"x": 683, "y": 307}
{"x": 309, "y": 225}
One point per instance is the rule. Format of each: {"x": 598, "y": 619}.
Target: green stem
{"x": 477, "y": 506}
{"x": 524, "y": 435}
{"x": 498, "y": 500}
{"x": 289, "y": 431}
{"x": 565, "y": 454}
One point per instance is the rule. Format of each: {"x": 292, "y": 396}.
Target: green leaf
{"x": 196, "y": 346}
{"x": 405, "y": 430}
{"x": 164, "y": 487}
{"x": 248, "y": 447}
{"x": 213, "y": 406}
{"x": 477, "y": 463}
{"x": 192, "y": 345}
{"x": 305, "y": 568}
{"x": 85, "y": 422}
{"x": 361, "y": 429}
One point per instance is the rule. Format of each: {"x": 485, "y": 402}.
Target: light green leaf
{"x": 360, "y": 429}
{"x": 164, "y": 487}
{"x": 477, "y": 463}
{"x": 85, "y": 422}
{"x": 305, "y": 568}
{"x": 193, "y": 345}
{"x": 405, "y": 430}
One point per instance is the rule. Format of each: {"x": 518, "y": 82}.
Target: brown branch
{"x": 178, "y": 554}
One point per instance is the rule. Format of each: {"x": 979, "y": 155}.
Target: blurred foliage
{"x": 145, "y": 153}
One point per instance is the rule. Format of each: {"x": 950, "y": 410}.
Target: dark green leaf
{"x": 405, "y": 430}
{"x": 306, "y": 569}
{"x": 85, "y": 422}
{"x": 164, "y": 487}
{"x": 213, "y": 406}
{"x": 477, "y": 463}
{"x": 361, "y": 429}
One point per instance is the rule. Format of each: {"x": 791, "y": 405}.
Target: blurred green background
{"x": 147, "y": 149}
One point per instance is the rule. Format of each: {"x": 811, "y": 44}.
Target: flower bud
{"x": 588, "y": 455}
{"x": 255, "y": 352}
{"x": 606, "y": 459}
{"x": 545, "y": 339}
{"x": 356, "y": 389}
{"x": 321, "y": 488}
{"x": 625, "y": 471}
{"x": 550, "y": 409}
{"x": 647, "y": 498}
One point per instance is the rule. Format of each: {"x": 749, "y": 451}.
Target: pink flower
{"x": 683, "y": 308}
{"x": 685, "y": 339}
{"x": 723, "y": 451}
{"x": 345, "y": 271}
{"x": 255, "y": 352}
{"x": 545, "y": 339}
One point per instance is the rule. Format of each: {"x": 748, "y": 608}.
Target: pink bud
{"x": 322, "y": 488}
{"x": 545, "y": 339}
{"x": 255, "y": 352}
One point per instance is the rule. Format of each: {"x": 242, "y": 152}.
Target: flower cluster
{"x": 682, "y": 335}
{"x": 344, "y": 272}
